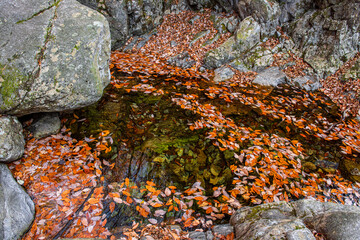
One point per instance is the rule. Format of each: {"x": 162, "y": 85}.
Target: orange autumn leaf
{"x": 156, "y": 205}
{"x": 44, "y": 179}
{"x": 65, "y": 193}
{"x": 129, "y": 200}
{"x": 142, "y": 211}
{"x": 105, "y": 133}
{"x": 93, "y": 200}
{"x": 170, "y": 208}
{"x": 114, "y": 195}
{"x": 150, "y": 183}
{"x": 112, "y": 206}
{"x": 103, "y": 223}
{"x": 150, "y": 188}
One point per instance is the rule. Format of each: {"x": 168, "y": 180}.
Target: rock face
{"x": 129, "y": 18}
{"x": 294, "y": 9}
{"x": 326, "y": 33}
{"x": 53, "y": 56}
{"x": 328, "y": 36}
{"x": 11, "y": 139}
{"x": 266, "y": 12}
{"x": 17, "y": 209}
{"x": 292, "y": 220}
{"x": 138, "y": 17}
{"x": 245, "y": 37}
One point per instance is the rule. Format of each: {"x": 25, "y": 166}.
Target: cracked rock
{"x": 53, "y": 56}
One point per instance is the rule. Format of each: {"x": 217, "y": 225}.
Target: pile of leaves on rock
{"x": 224, "y": 145}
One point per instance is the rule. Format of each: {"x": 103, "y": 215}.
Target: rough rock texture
{"x": 293, "y": 9}
{"x": 223, "y": 25}
{"x": 266, "y": 12}
{"x": 245, "y": 37}
{"x": 182, "y": 60}
{"x": 197, "y": 235}
{"x": 53, "y": 56}
{"x": 283, "y": 220}
{"x": 16, "y": 208}
{"x": 45, "y": 125}
{"x": 12, "y": 141}
{"x": 329, "y": 36}
{"x": 222, "y": 231}
{"x": 258, "y": 58}
{"x": 137, "y": 17}
{"x": 219, "y": 5}
{"x": 129, "y": 18}
{"x": 271, "y": 77}
{"x": 223, "y": 74}
{"x": 309, "y": 83}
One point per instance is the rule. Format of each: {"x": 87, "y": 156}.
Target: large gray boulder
{"x": 296, "y": 220}
{"x": 53, "y": 56}
{"x": 12, "y": 141}
{"x": 17, "y": 210}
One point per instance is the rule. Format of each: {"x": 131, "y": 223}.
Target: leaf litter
{"x": 64, "y": 176}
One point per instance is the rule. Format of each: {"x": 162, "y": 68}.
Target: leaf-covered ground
{"x": 257, "y": 144}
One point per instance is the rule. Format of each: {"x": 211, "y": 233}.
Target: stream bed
{"x": 158, "y": 131}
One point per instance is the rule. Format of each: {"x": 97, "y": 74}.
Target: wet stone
{"x": 197, "y": 236}
{"x": 12, "y": 141}
{"x": 273, "y": 214}
{"x": 272, "y": 76}
{"x": 223, "y": 230}
{"x": 45, "y": 125}
{"x": 300, "y": 234}
{"x": 223, "y": 74}
{"x": 182, "y": 60}
{"x": 309, "y": 83}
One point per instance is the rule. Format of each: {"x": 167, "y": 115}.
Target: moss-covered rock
{"x": 10, "y": 81}
{"x": 245, "y": 37}
{"x": 54, "y": 56}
